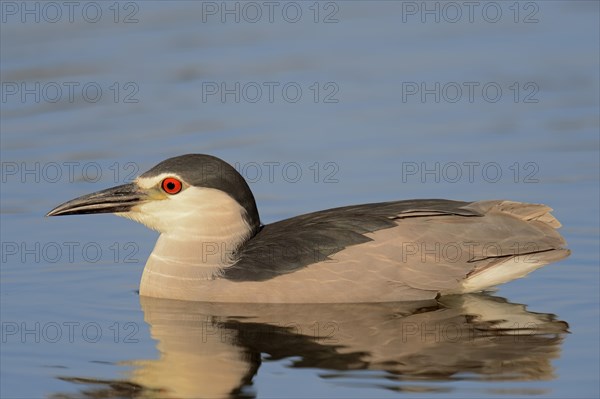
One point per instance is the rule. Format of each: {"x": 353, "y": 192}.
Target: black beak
{"x": 116, "y": 199}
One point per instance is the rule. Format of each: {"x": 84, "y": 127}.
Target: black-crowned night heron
{"x": 212, "y": 246}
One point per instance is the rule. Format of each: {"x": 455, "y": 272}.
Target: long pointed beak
{"x": 116, "y": 199}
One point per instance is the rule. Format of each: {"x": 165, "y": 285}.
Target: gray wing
{"x": 289, "y": 245}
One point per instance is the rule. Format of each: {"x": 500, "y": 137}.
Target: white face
{"x": 178, "y": 209}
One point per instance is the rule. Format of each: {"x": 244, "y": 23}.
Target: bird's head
{"x": 190, "y": 194}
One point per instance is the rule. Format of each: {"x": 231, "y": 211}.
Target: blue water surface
{"x": 318, "y": 104}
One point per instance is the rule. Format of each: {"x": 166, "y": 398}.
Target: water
{"x": 361, "y": 131}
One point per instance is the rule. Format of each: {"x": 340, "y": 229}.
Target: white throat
{"x": 200, "y": 229}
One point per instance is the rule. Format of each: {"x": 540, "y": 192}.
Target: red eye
{"x": 171, "y": 185}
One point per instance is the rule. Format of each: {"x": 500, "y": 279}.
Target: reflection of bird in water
{"x": 212, "y": 246}
{"x": 215, "y": 350}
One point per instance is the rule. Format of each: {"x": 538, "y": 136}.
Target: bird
{"x": 212, "y": 246}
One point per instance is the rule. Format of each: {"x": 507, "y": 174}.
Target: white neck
{"x": 193, "y": 246}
